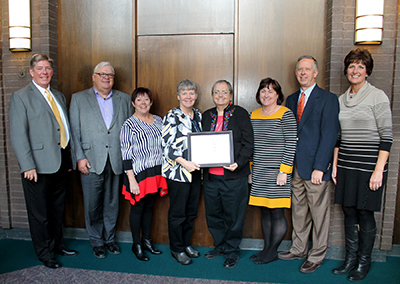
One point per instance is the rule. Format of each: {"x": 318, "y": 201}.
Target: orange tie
{"x": 63, "y": 137}
{"x": 300, "y": 107}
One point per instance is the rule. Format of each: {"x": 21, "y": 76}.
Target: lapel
{"x": 116, "y": 101}
{"x": 94, "y": 105}
{"x": 39, "y": 97}
{"x": 311, "y": 103}
{"x": 292, "y": 103}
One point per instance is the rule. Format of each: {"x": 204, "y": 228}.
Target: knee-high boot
{"x": 366, "y": 244}
{"x": 351, "y": 245}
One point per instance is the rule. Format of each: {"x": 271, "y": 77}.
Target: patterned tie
{"x": 63, "y": 137}
{"x": 300, "y": 107}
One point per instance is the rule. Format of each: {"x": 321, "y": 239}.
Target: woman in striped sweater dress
{"x": 142, "y": 156}
{"x": 275, "y": 132}
{"x": 360, "y": 161}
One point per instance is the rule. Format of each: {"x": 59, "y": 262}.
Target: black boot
{"x": 350, "y": 262}
{"x": 147, "y": 245}
{"x": 366, "y": 244}
{"x": 140, "y": 254}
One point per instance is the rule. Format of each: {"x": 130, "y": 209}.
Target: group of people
{"x": 289, "y": 154}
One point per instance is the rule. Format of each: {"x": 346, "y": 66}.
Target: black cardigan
{"x": 243, "y": 141}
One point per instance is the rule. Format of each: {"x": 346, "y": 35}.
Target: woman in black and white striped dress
{"x": 275, "y": 131}
{"x": 141, "y": 148}
{"x": 360, "y": 161}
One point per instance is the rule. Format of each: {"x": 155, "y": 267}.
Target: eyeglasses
{"x": 105, "y": 75}
{"x": 218, "y": 92}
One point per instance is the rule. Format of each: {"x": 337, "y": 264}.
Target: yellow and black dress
{"x": 274, "y": 151}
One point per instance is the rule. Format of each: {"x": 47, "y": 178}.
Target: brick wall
{"x": 340, "y": 40}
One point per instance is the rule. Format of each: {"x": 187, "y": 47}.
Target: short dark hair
{"x": 38, "y": 57}
{"x": 219, "y": 82}
{"x": 270, "y": 83}
{"x": 359, "y": 55}
{"x": 141, "y": 92}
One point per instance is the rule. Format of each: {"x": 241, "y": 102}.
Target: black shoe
{"x": 181, "y": 257}
{"x": 147, "y": 245}
{"x": 99, "y": 252}
{"x": 351, "y": 245}
{"x": 140, "y": 254}
{"x": 65, "y": 251}
{"x": 191, "y": 252}
{"x": 113, "y": 248}
{"x": 231, "y": 262}
{"x": 214, "y": 253}
{"x": 52, "y": 263}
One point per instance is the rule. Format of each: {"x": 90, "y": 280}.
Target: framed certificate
{"x": 211, "y": 149}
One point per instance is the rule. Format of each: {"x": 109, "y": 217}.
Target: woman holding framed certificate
{"x": 275, "y": 132}
{"x": 183, "y": 176}
{"x": 226, "y": 188}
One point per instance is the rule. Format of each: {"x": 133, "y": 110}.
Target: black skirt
{"x": 352, "y": 190}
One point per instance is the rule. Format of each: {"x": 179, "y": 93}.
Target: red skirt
{"x": 150, "y": 181}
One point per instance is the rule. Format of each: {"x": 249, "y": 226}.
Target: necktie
{"x": 300, "y": 107}
{"x": 54, "y": 108}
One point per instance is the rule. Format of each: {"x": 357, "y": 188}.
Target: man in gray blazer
{"x": 40, "y": 136}
{"x": 97, "y": 115}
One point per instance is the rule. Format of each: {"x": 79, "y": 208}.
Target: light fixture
{"x": 19, "y": 12}
{"x": 369, "y": 21}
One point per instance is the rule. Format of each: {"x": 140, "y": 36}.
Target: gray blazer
{"x": 34, "y": 130}
{"x": 92, "y": 140}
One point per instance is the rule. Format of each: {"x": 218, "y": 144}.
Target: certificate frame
{"x": 211, "y": 148}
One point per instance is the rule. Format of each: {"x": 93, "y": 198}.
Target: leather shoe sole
{"x": 181, "y": 257}
{"x": 287, "y": 255}
{"x": 52, "y": 263}
{"x": 309, "y": 267}
{"x": 65, "y": 252}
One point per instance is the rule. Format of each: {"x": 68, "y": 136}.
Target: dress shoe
{"x": 257, "y": 260}
{"x": 52, "y": 263}
{"x": 65, "y": 251}
{"x": 99, "y": 252}
{"x": 191, "y": 252}
{"x": 287, "y": 255}
{"x": 214, "y": 253}
{"x": 113, "y": 248}
{"x": 309, "y": 267}
{"x": 147, "y": 245}
{"x": 181, "y": 257}
{"x": 138, "y": 251}
{"x": 231, "y": 262}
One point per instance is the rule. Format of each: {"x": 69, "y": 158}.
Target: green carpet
{"x": 18, "y": 254}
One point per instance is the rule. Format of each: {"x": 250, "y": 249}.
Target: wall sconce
{"x": 19, "y": 12}
{"x": 369, "y": 21}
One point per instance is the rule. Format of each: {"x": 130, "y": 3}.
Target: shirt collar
{"x": 307, "y": 92}
{"x": 98, "y": 95}
{"x": 41, "y": 89}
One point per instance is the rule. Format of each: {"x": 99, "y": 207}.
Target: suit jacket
{"x": 317, "y": 132}
{"x": 34, "y": 130}
{"x": 92, "y": 140}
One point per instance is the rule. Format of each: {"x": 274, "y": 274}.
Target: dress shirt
{"x": 43, "y": 92}
{"x": 106, "y": 107}
{"x": 307, "y": 94}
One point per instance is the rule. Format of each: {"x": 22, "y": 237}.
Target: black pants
{"x": 141, "y": 217}
{"x": 45, "y": 203}
{"x": 226, "y": 202}
{"x": 184, "y": 201}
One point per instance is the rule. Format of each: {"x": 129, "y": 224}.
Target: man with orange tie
{"x": 318, "y": 126}
{"x": 40, "y": 136}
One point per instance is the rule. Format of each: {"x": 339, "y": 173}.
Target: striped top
{"x": 141, "y": 143}
{"x": 366, "y": 127}
{"x": 274, "y": 150}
